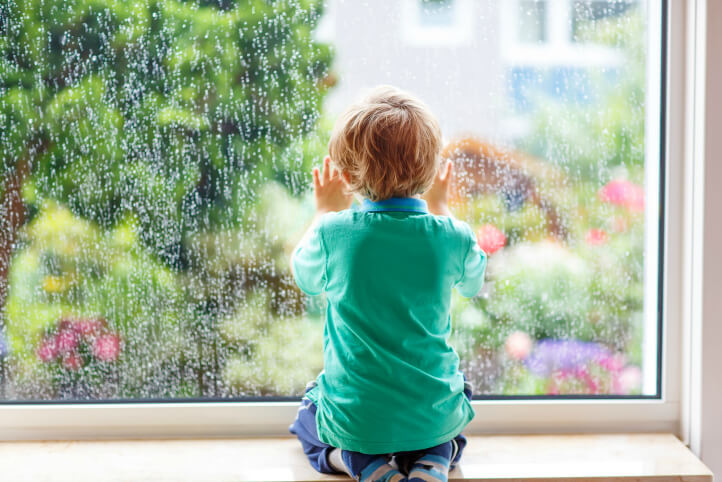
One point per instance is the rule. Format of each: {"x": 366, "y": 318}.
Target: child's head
{"x": 388, "y": 145}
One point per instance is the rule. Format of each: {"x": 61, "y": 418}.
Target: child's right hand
{"x": 330, "y": 189}
{"x": 437, "y": 198}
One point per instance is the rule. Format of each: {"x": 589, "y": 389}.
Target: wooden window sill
{"x": 657, "y": 457}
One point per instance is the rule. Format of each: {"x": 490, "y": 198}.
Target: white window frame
{"x": 669, "y": 414}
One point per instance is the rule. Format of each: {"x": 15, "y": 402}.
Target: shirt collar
{"x": 395, "y": 204}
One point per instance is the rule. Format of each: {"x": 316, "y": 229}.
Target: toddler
{"x": 390, "y": 402}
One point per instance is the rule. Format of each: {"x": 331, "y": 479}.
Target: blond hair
{"x": 389, "y": 144}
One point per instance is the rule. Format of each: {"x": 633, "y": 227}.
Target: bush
{"x": 68, "y": 267}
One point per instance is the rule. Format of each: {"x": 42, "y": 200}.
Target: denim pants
{"x": 304, "y": 427}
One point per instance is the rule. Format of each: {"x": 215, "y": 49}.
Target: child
{"x": 391, "y": 385}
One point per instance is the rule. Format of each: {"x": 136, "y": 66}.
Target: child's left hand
{"x": 330, "y": 189}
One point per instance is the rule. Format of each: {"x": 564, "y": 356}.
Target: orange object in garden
{"x": 490, "y": 238}
{"x": 480, "y": 168}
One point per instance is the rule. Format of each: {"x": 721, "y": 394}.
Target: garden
{"x": 156, "y": 161}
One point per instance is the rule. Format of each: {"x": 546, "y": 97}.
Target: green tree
{"x": 168, "y": 109}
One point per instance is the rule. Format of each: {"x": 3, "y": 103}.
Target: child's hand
{"x": 330, "y": 189}
{"x": 437, "y": 198}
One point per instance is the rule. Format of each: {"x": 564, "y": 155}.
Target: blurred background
{"x": 156, "y": 161}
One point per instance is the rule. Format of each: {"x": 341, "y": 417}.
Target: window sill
{"x": 491, "y": 457}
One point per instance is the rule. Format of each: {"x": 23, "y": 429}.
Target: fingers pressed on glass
{"x": 316, "y": 178}
{"x": 326, "y": 169}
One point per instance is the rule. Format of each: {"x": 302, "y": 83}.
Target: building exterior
{"x": 474, "y": 62}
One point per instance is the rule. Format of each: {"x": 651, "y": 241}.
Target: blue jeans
{"x": 304, "y": 427}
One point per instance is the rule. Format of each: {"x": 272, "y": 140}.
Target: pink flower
{"x": 490, "y": 238}
{"x": 592, "y": 384}
{"x": 621, "y": 192}
{"x": 88, "y": 327}
{"x": 48, "y": 350}
{"x": 596, "y": 237}
{"x": 629, "y": 380}
{"x": 612, "y": 363}
{"x": 107, "y": 348}
{"x": 72, "y": 361}
{"x": 518, "y": 345}
{"x": 66, "y": 341}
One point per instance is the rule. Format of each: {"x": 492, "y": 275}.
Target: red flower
{"x": 596, "y": 237}
{"x": 107, "y": 348}
{"x": 490, "y": 238}
{"x": 48, "y": 350}
{"x": 621, "y": 192}
{"x": 72, "y": 361}
{"x": 66, "y": 341}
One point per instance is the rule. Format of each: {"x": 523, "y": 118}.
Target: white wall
{"x": 711, "y": 424}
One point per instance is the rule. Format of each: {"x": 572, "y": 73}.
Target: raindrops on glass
{"x": 156, "y": 159}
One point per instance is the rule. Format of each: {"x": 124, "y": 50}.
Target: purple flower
{"x": 550, "y": 356}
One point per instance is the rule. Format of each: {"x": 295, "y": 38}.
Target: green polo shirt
{"x": 391, "y": 381}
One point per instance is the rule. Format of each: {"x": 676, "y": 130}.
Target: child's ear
{"x": 346, "y": 177}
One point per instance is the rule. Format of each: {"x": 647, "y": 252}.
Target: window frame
{"x": 105, "y": 420}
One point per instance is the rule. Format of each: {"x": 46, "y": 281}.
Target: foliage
{"x": 81, "y": 354}
{"x": 592, "y": 140}
{"x": 69, "y": 268}
{"x": 157, "y": 124}
{"x": 587, "y": 290}
{"x": 158, "y": 107}
{"x": 251, "y": 305}
{"x": 171, "y": 184}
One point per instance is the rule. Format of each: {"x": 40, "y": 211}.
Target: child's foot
{"x": 430, "y": 468}
{"x": 364, "y": 468}
{"x": 433, "y": 466}
{"x": 380, "y": 471}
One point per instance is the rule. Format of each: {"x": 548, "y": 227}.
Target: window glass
{"x": 532, "y": 21}
{"x": 156, "y": 160}
{"x": 585, "y": 13}
{"x": 437, "y": 12}
{"x": 432, "y": 23}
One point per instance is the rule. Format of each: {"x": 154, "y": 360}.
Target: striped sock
{"x": 380, "y": 471}
{"x": 430, "y": 468}
{"x": 364, "y": 468}
{"x": 433, "y": 466}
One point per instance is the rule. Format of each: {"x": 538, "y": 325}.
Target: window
{"x": 532, "y": 22}
{"x": 560, "y": 32}
{"x": 585, "y": 13}
{"x": 435, "y": 23}
{"x": 436, "y": 12}
{"x": 156, "y": 175}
